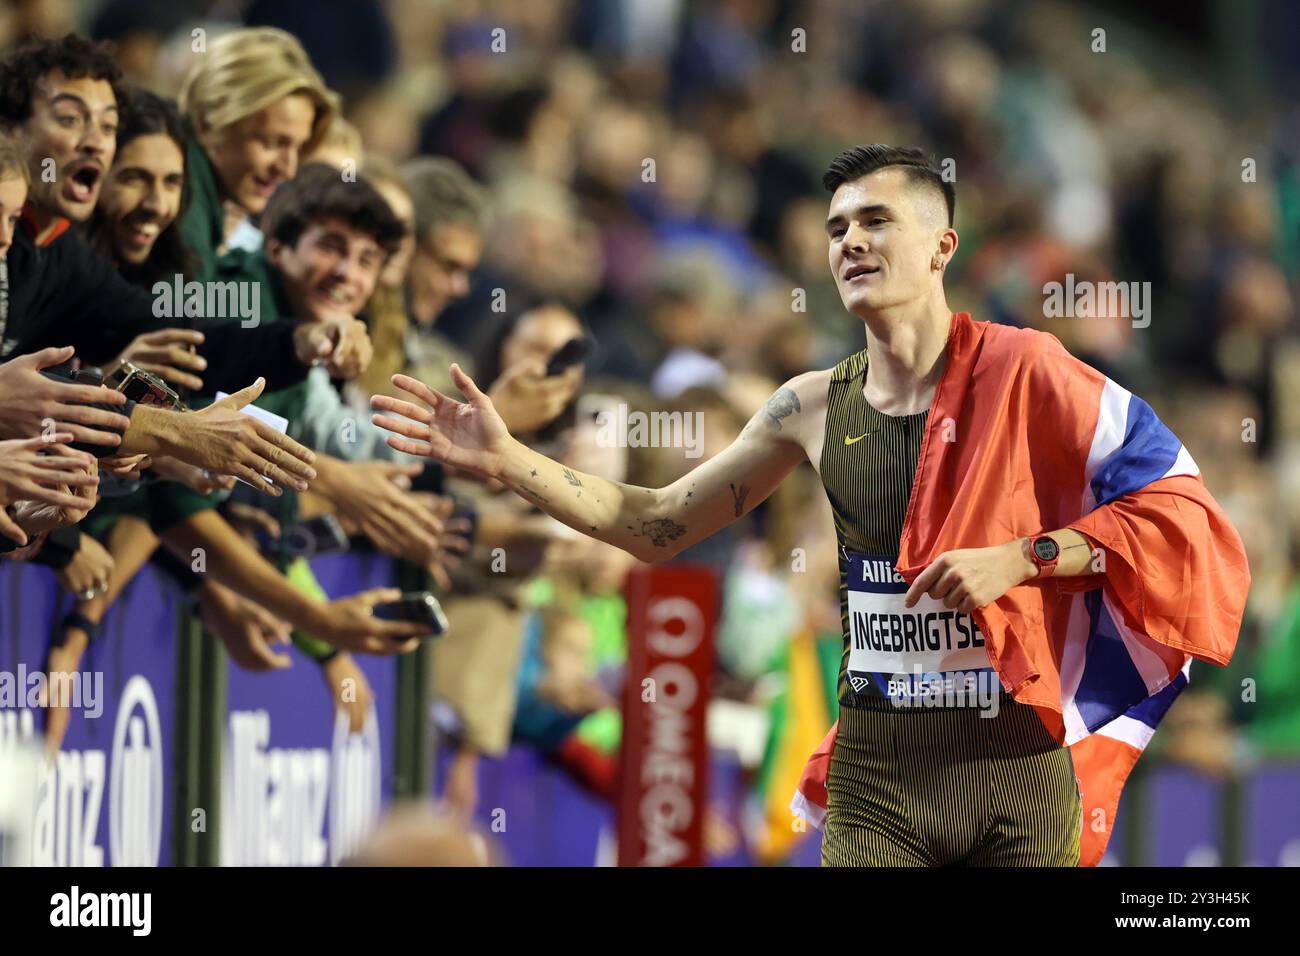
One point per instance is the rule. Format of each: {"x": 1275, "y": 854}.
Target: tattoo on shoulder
{"x": 739, "y": 494}
{"x": 781, "y": 405}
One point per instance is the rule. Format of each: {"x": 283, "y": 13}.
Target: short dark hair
{"x": 320, "y": 192}
{"x": 861, "y": 160}
{"x": 74, "y": 56}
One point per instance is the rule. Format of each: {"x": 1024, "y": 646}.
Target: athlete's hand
{"x": 971, "y": 578}
{"x": 468, "y": 435}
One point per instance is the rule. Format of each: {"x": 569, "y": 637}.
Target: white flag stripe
{"x": 1183, "y": 464}
{"x": 1108, "y": 438}
{"x": 1072, "y": 660}
{"x": 1143, "y": 652}
{"x": 1128, "y": 730}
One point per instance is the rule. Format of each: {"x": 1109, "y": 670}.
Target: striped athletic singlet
{"x": 916, "y": 782}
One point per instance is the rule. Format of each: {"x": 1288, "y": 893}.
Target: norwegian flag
{"x": 1036, "y": 441}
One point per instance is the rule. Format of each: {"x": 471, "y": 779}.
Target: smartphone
{"x": 320, "y": 535}
{"x": 419, "y": 606}
{"x": 307, "y": 539}
{"x": 571, "y": 353}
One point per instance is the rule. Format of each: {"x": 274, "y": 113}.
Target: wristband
{"x": 81, "y": 623}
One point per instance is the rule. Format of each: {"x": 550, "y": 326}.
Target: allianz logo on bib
{"x": 878, "y": 571}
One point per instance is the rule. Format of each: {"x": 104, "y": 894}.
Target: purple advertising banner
{"x": 537, "y": 815}
{"x": 1271, "y": 821}
{"x": 1194, "y": 835}
{"x": 297, "y": 788}
{"x": 106, "y": 798}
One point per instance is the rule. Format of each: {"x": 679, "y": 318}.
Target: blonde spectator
{"x": 257, "y": 106}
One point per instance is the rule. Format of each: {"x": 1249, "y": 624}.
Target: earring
{"x": 937, "y": 263}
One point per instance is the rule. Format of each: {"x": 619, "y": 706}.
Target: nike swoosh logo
{"x": 850, "y": 441}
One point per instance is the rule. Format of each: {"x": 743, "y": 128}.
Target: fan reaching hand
{"x": 469, "y": 435}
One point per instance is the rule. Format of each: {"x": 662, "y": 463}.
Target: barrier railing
{"x": 173, "y": 756}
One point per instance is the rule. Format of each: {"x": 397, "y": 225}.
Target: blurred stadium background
{"x": 1173, "y": 157}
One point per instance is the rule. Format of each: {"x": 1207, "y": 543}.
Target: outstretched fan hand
{"x": 468, "y": 435}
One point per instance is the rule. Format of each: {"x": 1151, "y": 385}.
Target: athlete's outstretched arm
{"x": 652, "y": 524}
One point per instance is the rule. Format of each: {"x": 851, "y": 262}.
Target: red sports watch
{"x": 1044, "y": 552}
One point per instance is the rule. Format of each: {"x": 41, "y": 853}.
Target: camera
{"x": 143, "y": 388}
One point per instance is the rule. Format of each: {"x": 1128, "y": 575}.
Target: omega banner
{"x": 663, "y": 788}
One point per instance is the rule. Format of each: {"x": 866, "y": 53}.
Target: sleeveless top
{"x": 868, "y": 465}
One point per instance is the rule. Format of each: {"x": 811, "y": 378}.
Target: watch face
{"x": 1046, "y": 549}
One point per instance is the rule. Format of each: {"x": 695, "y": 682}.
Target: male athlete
{"x": 1008, "y": 519}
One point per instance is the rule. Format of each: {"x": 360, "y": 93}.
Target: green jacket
{"x": 240, "y": 265}
{"x": 204, "y": 224}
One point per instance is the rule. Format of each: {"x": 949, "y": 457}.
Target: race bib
{"x": 903, "y": 652}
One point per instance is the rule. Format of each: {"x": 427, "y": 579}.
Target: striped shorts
{"x": 947, "y": 787}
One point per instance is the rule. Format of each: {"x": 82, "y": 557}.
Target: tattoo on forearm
{"x": 781, "y": 405}
{"x": 533, "y": 494}
{"x": 662, "y": 530}
{"x": 739, "y": 495}
{"x": 571, "y": 478}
